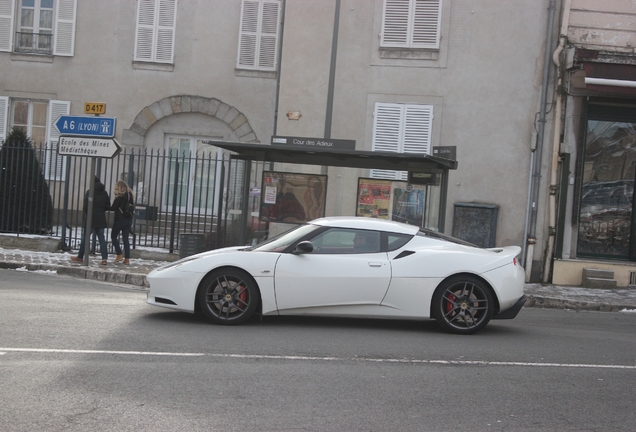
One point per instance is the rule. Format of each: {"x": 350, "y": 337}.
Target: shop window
{"x": 606, "y": 212}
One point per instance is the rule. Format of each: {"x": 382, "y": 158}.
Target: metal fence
{"x": 176, "y": 193}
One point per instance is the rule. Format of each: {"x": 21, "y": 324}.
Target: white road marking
{"x": 318, "y": 358}
{"x": 71, "y": 351}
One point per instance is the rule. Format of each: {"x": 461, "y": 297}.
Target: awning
{"x": 336, "y": 157}
{"x": 610, "y": 79}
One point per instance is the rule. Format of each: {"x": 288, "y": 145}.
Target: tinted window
{"x": 346, "y": 241}
{"x": 396, "y": 241}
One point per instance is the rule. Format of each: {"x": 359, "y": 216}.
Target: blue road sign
{"x": 86, "y": 126}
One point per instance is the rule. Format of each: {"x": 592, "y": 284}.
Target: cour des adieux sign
{"x": 314, "y": 143}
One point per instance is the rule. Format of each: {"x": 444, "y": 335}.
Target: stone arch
{"x": 134, "y": 136}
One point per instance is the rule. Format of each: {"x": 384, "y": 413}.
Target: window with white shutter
{"x": 44, "y": 26}
{"x": 258, "y": 37}
{"x": 411, "y": 24}
{"x": 401, "y": 128}
{"x": 55, "y": 164}
{"x": 6, "y": 24}
{"x": 64, "y": 35}
{"x": 155, "y": 32}
{"x": 4, "y": 116}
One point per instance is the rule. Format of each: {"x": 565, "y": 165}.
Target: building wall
{"x": 484, "y": 83}
{"x": 603, "y": 25}
{"x": 102, "y": 68}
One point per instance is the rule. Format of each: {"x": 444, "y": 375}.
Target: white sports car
{"x": 348, "y": 266}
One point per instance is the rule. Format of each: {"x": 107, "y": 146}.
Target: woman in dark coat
{"x": 123, "y": 220}
{"x": 101, "y": 203}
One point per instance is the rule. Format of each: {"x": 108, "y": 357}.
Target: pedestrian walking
{"x": 123, "y": 206}
{"x": 101, "y": 203}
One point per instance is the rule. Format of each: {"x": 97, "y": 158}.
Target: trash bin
{"x": 191, "y": 244}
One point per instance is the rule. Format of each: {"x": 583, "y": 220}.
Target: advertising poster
{"x": 374, "y": 198}
{"x": 391, "y": 200}
{"x": 292, "y": 197}
{"x": 408, "y": 203}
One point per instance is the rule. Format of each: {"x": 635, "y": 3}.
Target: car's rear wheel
{"x": 463, "y": 305}
{"x": 228, "y": 296}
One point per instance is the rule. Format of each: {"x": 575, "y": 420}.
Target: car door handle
{"x": 375, "y": 264}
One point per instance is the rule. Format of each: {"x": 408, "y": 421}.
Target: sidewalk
{"x": 142, "y": 262}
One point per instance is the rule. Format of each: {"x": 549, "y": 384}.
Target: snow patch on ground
{"x": 46, "y": 272}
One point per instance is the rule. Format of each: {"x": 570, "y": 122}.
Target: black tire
{"x": 228, "y": 296}
{"x": 463, "y": 305}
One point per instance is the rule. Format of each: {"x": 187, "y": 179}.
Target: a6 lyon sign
{"x": 86, "y": 146}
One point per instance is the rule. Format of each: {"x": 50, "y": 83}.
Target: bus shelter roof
{"x": 337, "y": 157}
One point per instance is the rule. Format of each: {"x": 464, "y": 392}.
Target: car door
{"x": 336, "y": 273}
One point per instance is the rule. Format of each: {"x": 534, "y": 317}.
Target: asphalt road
{"x": 77, "y": 355}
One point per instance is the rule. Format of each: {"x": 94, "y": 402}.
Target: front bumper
{"x": 512, "y": 312}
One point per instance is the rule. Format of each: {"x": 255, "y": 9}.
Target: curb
{"x": 535, "y": 301}
{"x": 134, "y": 279}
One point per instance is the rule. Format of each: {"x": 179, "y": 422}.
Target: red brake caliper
{"x": 449, "y": 303}
{"x": 243, "y": 295}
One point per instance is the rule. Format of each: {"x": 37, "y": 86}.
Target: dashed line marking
{"x": 319, "y": 358}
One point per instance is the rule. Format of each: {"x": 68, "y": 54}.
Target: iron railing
{"x": 34, "y": 43}
{"x": 175, "y": 193}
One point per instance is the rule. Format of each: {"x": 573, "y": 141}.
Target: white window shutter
{"x": 268, "y": 45}
{"x": 401, "y": 128}
{"x": 248, "y": 34}
{"x": 387, "y": 119}
{"x": 144, "y": 34}
{"x": 6, "y": 24}
{"x": 418, "y": 121}
{"x": 426, "y": 24}
{"x": 395, "y": 24}
{"x": 166, "y": 22}
{"x": 258, "y": 37}
{"x": 411, "y": 24}
{"x": 65, "y": 28}
{"x": 387, "y": 134}
{"x": 55, "y": 164}
{"x": 4, "y": 117}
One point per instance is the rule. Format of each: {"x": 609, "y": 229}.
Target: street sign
{"x": 90, "y": 147}
{"x": 94, "y": 108}
{"x": 86, "y": 126}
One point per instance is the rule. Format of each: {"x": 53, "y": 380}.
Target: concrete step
{"x": 597, "y": 273}
{"x": 591, "y": 282}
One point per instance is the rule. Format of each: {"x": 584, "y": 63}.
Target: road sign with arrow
{"x": 89, "y": 147}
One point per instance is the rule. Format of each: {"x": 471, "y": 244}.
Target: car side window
{"x": 396, "y": 241}
{"x": 346, "y": 241}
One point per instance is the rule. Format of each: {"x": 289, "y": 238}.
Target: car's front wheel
{"x": 463, "y": 305}
{"x": 228, "y": 296}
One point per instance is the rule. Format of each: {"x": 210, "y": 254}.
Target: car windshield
{"x": 284, "y": 240}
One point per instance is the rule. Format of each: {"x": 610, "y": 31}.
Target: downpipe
{"x": 556, "y": 146}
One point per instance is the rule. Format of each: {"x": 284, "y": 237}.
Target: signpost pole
{"x": 89, "y": 137}
{"x": 89, "y": 213}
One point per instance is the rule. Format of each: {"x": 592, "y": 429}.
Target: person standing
{"x": 122, "y": 206}
{"x": 101, "y": 203}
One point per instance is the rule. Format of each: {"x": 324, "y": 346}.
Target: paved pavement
{"x": 142, "y": 262}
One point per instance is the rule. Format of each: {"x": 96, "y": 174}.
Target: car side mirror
{"x": 304, "y": 247}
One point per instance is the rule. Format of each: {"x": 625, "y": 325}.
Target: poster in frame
{"x": 292, "y": 197}
{"x": 391, "y": 200}
{"x": 374, "y": 198}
